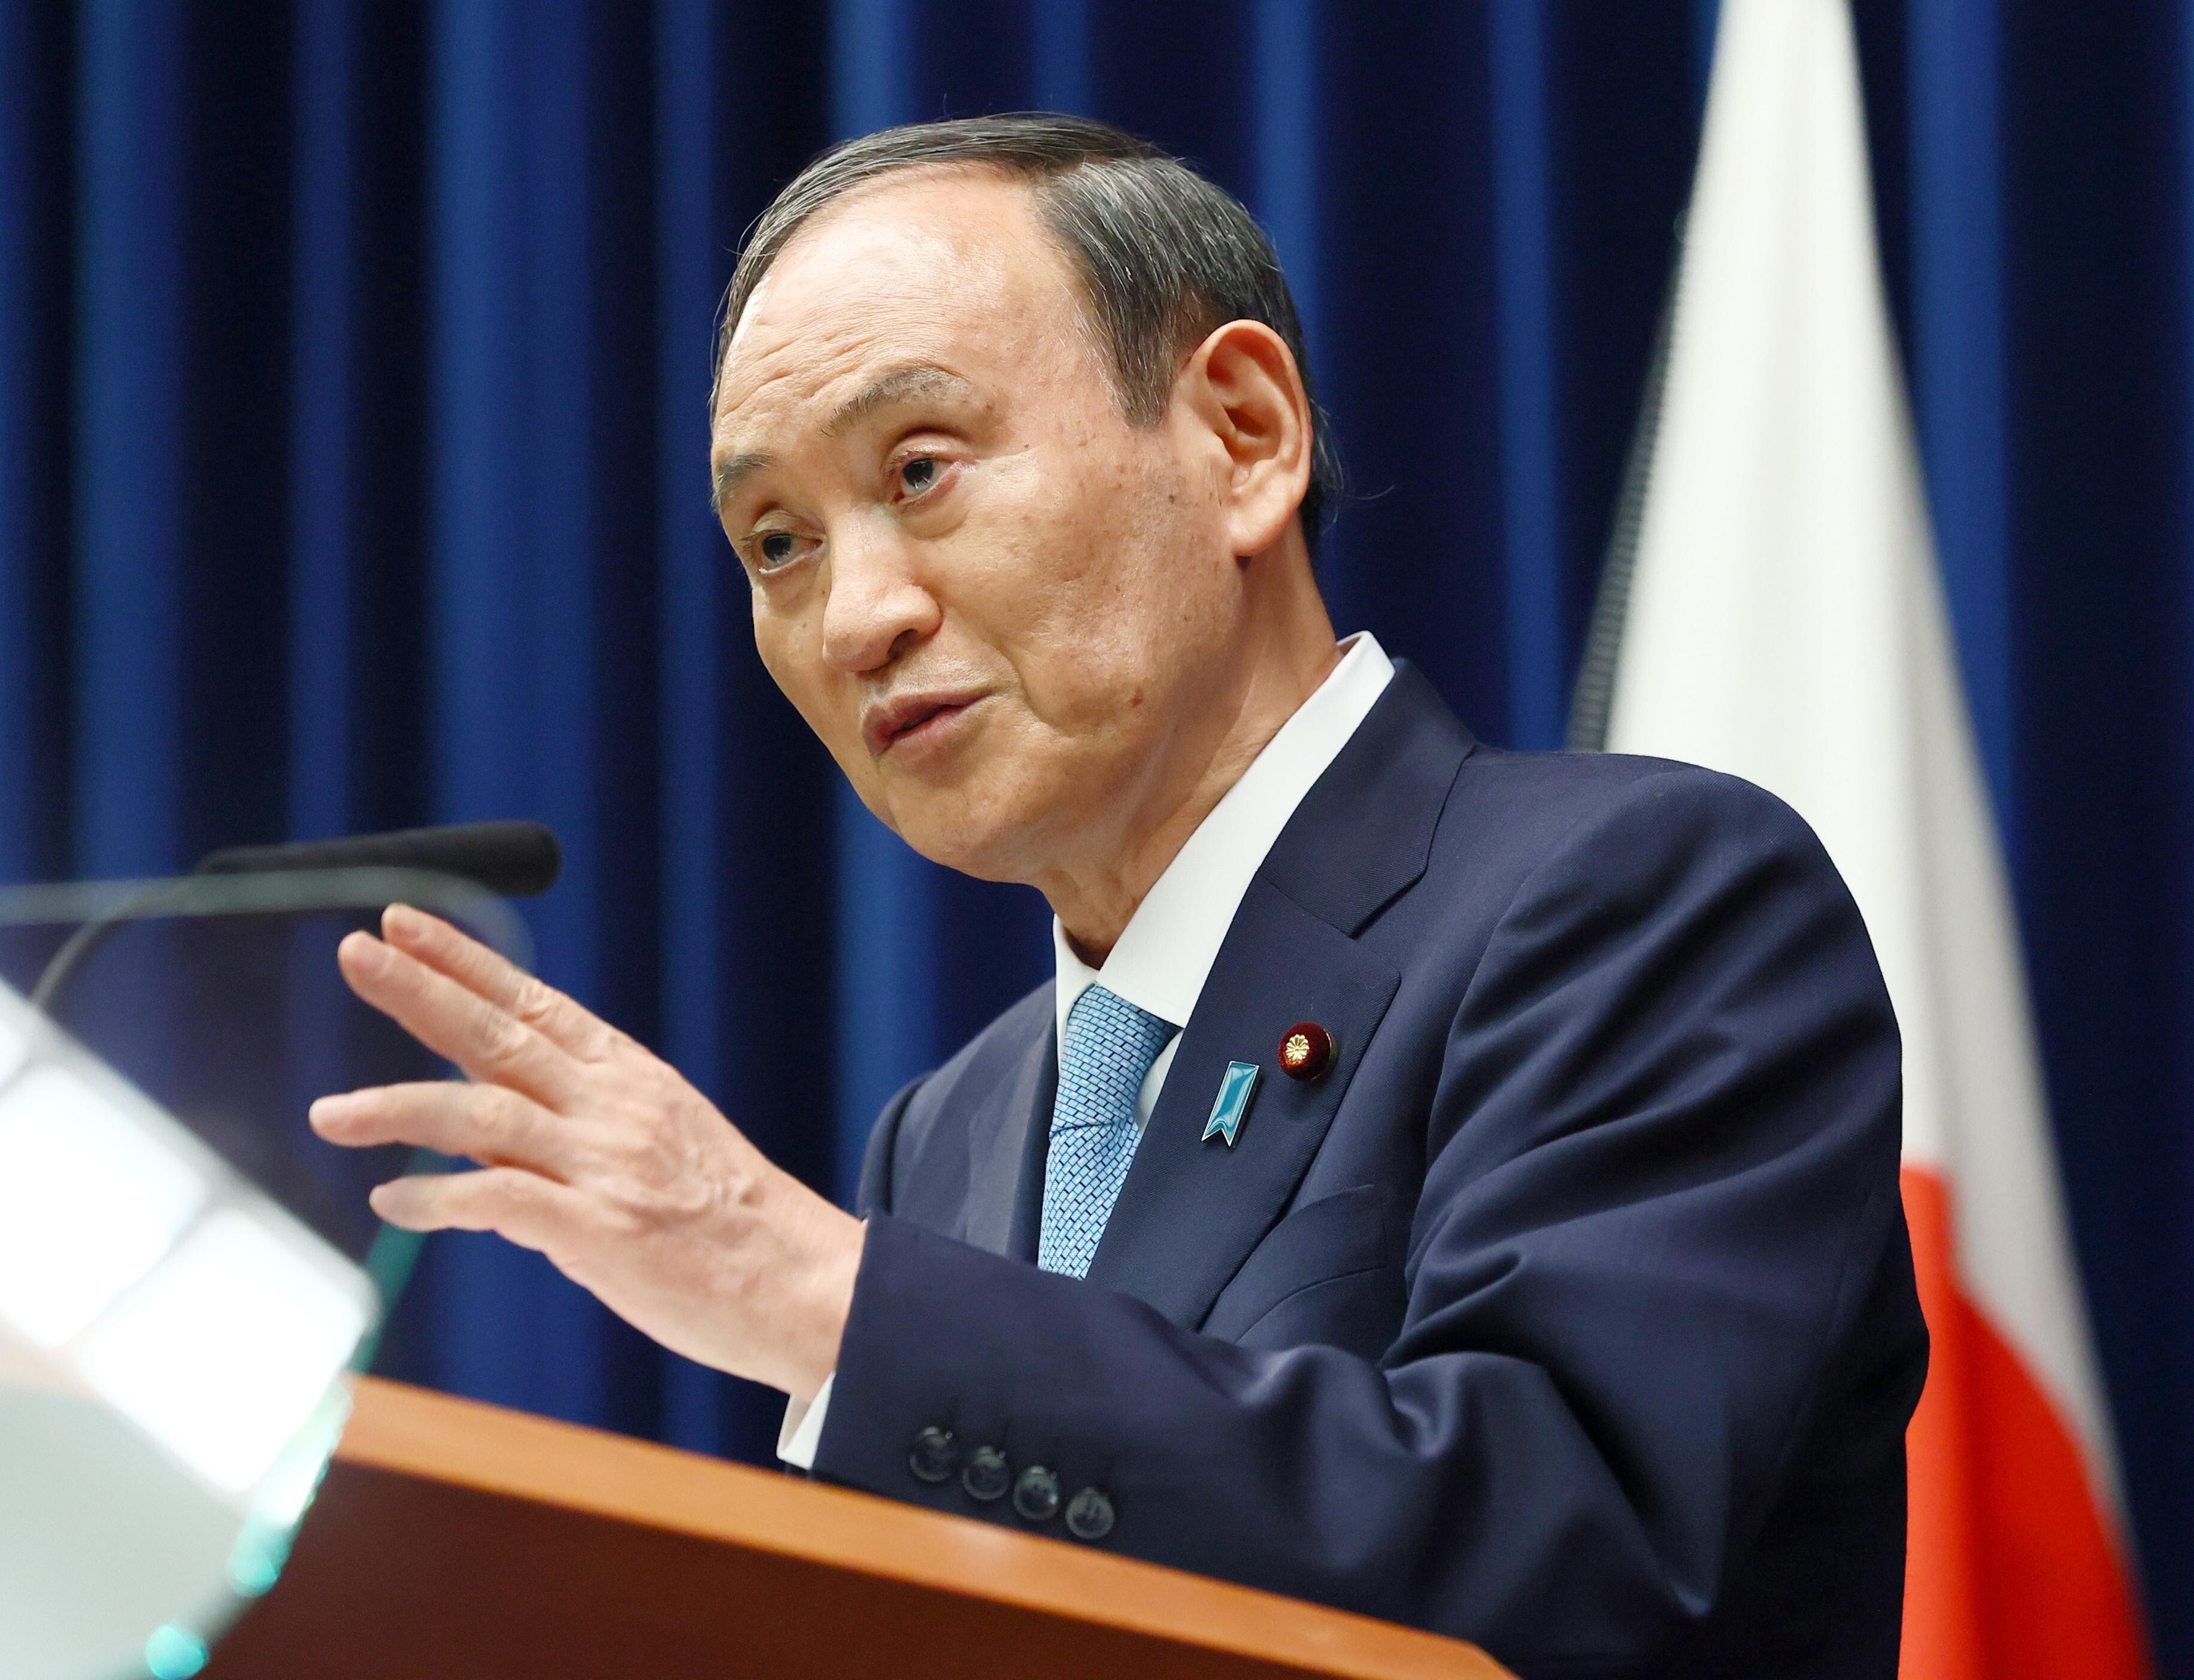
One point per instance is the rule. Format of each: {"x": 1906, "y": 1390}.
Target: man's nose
{"x": 876, "y": 607}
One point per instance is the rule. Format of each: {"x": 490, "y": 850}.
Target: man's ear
{"x": 1242, "y": 387}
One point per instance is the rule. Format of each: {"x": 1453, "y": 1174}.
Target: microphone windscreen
{"x": 511, "y": 859}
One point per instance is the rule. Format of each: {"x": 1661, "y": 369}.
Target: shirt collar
{"x": 1165, "y": 952}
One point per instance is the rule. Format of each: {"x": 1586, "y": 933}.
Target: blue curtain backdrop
{"x": 352, "y": 362}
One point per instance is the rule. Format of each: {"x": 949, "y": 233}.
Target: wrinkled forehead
{"x": 953, "y": 266}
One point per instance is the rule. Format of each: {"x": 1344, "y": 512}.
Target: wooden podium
{"x": 456, "y": 1541}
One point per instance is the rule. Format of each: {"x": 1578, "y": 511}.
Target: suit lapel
{"x": 1006, "y": 1153}
{"x": 1191, "y": 1210}
{"x": 1363, "y": 833}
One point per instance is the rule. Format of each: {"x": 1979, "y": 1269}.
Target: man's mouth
{"x": 912, "y": 720}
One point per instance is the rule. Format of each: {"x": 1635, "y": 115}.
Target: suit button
{"x": 1089, "y": 1515}
{"x": 987, "y": 1476}
{"x": 935, "y": 1456}
{"x": 1036, "y": 1495}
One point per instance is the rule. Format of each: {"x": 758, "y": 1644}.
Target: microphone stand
{"x": 77, "y": 949}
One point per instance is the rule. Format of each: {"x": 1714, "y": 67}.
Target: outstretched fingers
{"x": 489, "y": 975}
{"x": 491, "y": 1124}
{"x": 524, "y": 1208}
{"x": 487, "y": 1041}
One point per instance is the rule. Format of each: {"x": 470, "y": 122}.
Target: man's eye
{"x": 919, "y": 474}
{"x": 774, "y": 548}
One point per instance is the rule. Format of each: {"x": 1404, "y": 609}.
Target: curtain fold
{"x": 354, "y": 368}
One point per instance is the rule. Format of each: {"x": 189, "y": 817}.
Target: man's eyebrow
{"x": 735, "y": 470}
{"x": 907, "y": 383}
{"x": 899, "y": 385}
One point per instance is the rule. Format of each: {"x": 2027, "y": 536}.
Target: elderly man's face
{"x": 1009, "y": 613}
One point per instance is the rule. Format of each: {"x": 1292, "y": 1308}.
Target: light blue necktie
{"x": 1109, "y": 1049}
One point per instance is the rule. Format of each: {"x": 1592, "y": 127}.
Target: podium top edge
{"x": 519, "y": 1455}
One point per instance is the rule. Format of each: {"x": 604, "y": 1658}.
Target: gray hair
{"x": 1164, "y": 256}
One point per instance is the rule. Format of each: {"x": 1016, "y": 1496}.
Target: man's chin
{"x": 986, "y": 857}
{"x": 965, "y": 832}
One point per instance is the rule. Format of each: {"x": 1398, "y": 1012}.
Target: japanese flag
{"x": 1785, "y": 622}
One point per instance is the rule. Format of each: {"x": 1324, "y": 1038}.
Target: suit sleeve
{"x": 1660, "y": 1192}
{"x": 800, "y": 1436}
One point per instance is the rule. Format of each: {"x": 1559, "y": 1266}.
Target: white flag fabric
{"x": 1786, "y": 623}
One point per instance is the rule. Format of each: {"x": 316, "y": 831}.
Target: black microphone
{"x": 512, "y": 860}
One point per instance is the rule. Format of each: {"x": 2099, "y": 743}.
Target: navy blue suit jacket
{"x": 1570, "y": 1312}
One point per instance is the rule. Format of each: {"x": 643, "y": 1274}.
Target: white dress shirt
{"x": 1165, "y": 953}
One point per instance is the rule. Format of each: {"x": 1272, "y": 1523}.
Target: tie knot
{"x": 1104, "y": 1027}
{"x": 1107, "y": 1053}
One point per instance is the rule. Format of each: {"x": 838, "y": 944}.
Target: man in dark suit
{"x": 1457, "y": 1185}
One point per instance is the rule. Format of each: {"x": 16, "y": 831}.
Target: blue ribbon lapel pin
{"x": 1232, "y": 1105}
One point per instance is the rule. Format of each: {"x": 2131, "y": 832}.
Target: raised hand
{"x": 596, "y": 1152}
